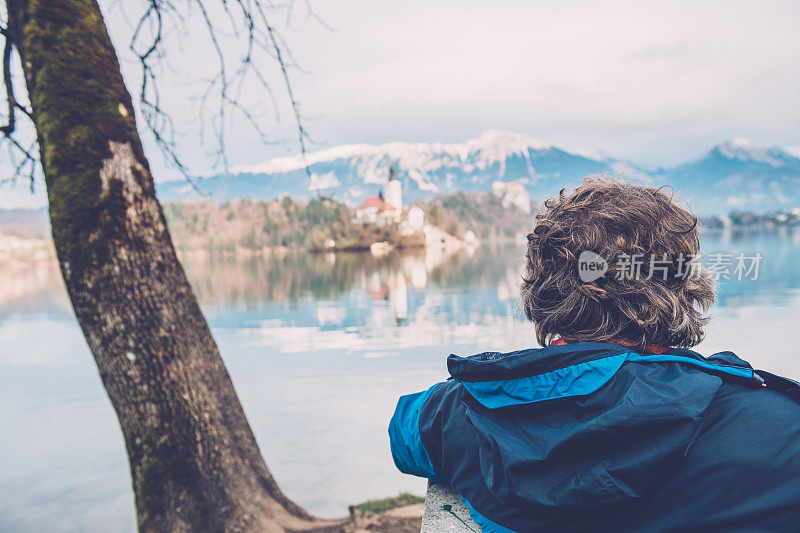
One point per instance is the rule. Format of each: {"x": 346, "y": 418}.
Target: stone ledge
{"x": 441, "y": 504}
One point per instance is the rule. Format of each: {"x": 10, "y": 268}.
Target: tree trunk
{"x": 194, "y": 461}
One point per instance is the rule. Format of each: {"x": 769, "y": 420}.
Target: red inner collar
{"x": 652, "y": 348}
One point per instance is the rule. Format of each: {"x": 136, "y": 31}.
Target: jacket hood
{"x": 586, "y": 425}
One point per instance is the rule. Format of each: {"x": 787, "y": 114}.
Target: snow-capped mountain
{"x": 738, "y": 175}
{"x": 732, "y": 175}
{"x": 353, "y": 172}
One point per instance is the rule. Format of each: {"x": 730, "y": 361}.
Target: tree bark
{"x": 195, "y": 464}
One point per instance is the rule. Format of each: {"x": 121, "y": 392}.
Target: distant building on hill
{"x": 387, "y": 208}
{"x": 512, "y": 193}
{"x": 415, "y": 217}
{"x": 375, "y": 210}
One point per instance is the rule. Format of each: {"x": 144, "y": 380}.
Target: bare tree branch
{"x": 158, "y": 121}
{"x": 27, "y": 167}
{"x": 11, "y": 102}
{"x": 302, "y": 134}
{"x": 311, "y": 14}
{"x": 24, "y": 161}
{"x": 237, "y": 67}
{"x": 244, "y": 41}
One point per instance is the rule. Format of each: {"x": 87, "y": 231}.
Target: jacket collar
{"x": 538, "y": 374}
{"x": 489, "y": 366}
{"x": 652, "y": 348}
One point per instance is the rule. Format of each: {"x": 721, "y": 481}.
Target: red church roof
{"x": 373, "y": 201}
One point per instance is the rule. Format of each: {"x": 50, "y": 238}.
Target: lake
{"x": 319, "y": 348}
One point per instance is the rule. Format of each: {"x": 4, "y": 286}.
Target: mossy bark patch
{"x": 76, "y": 89}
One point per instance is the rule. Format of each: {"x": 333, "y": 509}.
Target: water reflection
{"x": 299, "y": 275}
{"x": 779, "y": 271}
{"x": 319, "y": 347}
{"x": 32, "y": 288}
{"x": 356, "y": 301}
{"x": 359, "y": 302}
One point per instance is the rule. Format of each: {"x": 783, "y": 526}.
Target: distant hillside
{"x": 257, "y": 224}
{"x": 254, "y": 225}
{"x": 733, "y": 175}
{"x": 482, "y": 213}
{"x": 24, "y": 222}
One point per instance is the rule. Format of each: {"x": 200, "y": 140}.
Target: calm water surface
{"x": 319, "y": 347}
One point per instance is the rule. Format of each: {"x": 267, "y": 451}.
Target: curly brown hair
{"x": 616, "y": 220}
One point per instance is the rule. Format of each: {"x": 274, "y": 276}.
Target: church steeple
{"x": 394, "y": 194}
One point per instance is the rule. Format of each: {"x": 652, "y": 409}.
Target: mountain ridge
{"x": 734, "y": 174}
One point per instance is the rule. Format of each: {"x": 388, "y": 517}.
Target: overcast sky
{"x": 655, "y": 83}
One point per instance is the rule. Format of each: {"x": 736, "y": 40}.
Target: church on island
{"x": 387, "y": 208}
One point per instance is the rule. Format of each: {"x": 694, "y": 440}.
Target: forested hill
{"x": 257, "y": 224}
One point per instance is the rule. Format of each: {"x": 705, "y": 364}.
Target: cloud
{"x": 652, "y": 82}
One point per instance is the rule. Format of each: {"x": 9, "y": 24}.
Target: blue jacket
{"x": 603, "y": 437}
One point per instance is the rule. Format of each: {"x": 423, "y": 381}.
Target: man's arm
{"x": 408, "y": 451}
